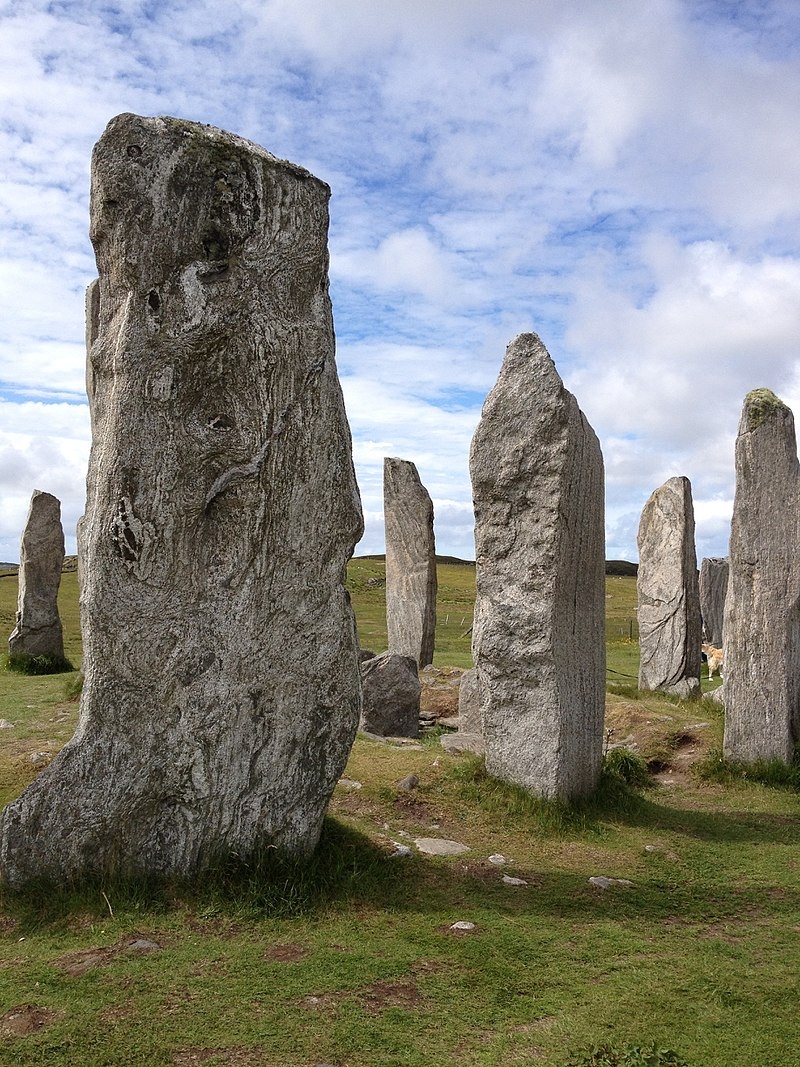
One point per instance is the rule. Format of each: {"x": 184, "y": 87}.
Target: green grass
{"x": 350, "y": 960}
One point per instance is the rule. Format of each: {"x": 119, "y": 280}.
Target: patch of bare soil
{"x": 77, "y": 963}
{"x": 24, "y": 1019}
{"x": 286, "y": 953}
{"x": 398, "y": 994}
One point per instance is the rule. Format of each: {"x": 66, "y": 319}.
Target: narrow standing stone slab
{"x": 538, "y": 639}
{"x": 411, "y": 582}
{"x": 713, "y": 589}
{"x": 41, "y": 558}
{"x": 762, "y": 608}
{"x": 221, "y": 692}
{"x": 667, "y": 589}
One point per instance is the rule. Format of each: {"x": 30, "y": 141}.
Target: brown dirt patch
{"x": 24, "y": 1019}
{"x": 286, "y": 953}
{"x": 77, "y": 963}
{"x": 381, "y": 995}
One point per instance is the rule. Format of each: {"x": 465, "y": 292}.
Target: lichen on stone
{"x": 759, "y": 405}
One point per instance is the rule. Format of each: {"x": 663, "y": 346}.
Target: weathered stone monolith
{"x": 41, "y": 557}
{"x": 762, "y": 608}
{"x": 392, "y": 689}
{"x": 410, "y": 562}
{"x": 667, "y": 589}
{"x": 713, "y": 587}
{"x": 221, "y": 692}
{"x": 538, "y": 638}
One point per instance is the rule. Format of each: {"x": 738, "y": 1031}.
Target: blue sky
{"x": 620, "y": 177}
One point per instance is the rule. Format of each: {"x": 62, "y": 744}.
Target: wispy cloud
{"x": 620, "y": 178}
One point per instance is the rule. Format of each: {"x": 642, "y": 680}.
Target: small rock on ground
{"x": 439, "y": 846}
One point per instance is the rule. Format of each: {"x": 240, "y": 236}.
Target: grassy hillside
{"x": 353, "y": 960}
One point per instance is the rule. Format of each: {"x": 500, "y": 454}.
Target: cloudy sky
{"x": 620, "y": 176}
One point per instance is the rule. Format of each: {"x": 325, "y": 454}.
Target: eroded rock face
{"x": 41, "y": 557}
{"x": 392, "y": 689}
{"x": 762, "y": 608}
{"x": 411, "y": 583}
{"x": 668, "y": 596}
{"x": 221, "y": 692}
{"x": 538, "y": 638}
{"x": 713, "y": 588}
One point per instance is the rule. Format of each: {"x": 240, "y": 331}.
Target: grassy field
{"x": 353, "y": 961}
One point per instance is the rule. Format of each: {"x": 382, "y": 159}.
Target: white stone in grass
{"x": 349, "y": 783}
{"x": 508, "y": 880}
{"x": 497, "y": 859}
{"x": 6, "y": 725}
{"x": 462, "y": 926}
{"x": 439, "y": 846}
{"x": 400, "y": 851}
{"x": 602, "y": 882}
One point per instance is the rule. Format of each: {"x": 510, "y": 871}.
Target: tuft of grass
{"x": 23, "y": 663}
{"x": 628, "y": 767}
{"x": 716, "y": 768}
{"x": 628, "y": 1056}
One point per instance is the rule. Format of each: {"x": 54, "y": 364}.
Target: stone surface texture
{"x": 41, "y": 557}
{"x": 713, "y": 588}
{"x": 410, "y": 562}
{"x": 667, "y": 590}
{"x": 762, "y": 608}
{"x": 538, "y": 638}
{"x": 391, "y": 689}
{"x": 469, "y": 704}
{"x": 221, "y": 692}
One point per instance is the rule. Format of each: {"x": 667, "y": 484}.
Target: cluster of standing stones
{"x": 223, "y": 682}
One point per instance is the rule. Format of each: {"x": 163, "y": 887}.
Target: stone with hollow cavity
{"x": 41, "y": 556}
{"x": 411, "y": 582}
{"x": 762, "y": 607}
{"x": 668, "y": 606}
{"x": 538, "y": 637}
{"x": 221, "y": 693}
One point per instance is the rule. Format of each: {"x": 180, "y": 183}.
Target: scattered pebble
{"x": 652, "y": 848}
{"x": 349, "y": 783}
{"x": 400, "y": 851}
{"x": 143, "y": 944}
{"x": 513, "y": 881}
{"x": 439, "y": 846}
{"x": 463, "y": 927}
{"x": 411, "y": 781}
{"x": 602, "y": 882}
{"x": 6, "y": 725}
{"x": 497, "y": 859}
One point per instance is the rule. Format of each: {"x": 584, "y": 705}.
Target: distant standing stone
{"x": 221, "y": 692}
{"x": 713, "y": 589}
{"x": 41, "y": 557}
{"x": 538, "y": 638}
{"x": 391, "y": 691}
{"x": 411, "y": 582}
{"x": 762, "y": 609}
{"x": 667, "y": 589}
{"x": 469, "y": 705}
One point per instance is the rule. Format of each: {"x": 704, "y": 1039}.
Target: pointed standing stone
{"x": 411, "y": 583}
{"x": 762, "y": 608}
{"x": 713, "y": 588}
{"x": 538, "y": 639}
{"x": 41, "y": 557}
{"x": 221, "y": 693}
{"x": 667, "y": 589}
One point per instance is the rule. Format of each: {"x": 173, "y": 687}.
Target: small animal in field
{"x": 714, "y": 658}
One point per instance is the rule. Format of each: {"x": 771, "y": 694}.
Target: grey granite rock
{"x": 221, "y": 692}
{"x": 538, "y": 638}
{"x": 41, "y": 557}
{"x": 391, "y": 692}
{"x": 713, "y": 589}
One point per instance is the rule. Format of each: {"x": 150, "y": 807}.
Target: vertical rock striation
{"x": 538, "y": 639}
{"x": 41, "y": 558}
{"x": 221, "y": 692}
{"x": 668, "y": 596}
{"x": 762, "y": 608}
{"x": 411, "y": 583}
{"x": 713, "y": 588}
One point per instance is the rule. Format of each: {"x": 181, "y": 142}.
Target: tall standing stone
{"x": 668, "y": 595}
{"x": 713, "y": 588}
{"x": 221, "y": 692}
{"x": 762, "y": 608}
{"x": 411, "y": 583}
{"x": 538, "y": 638}
{"x": 41, "y": 558}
